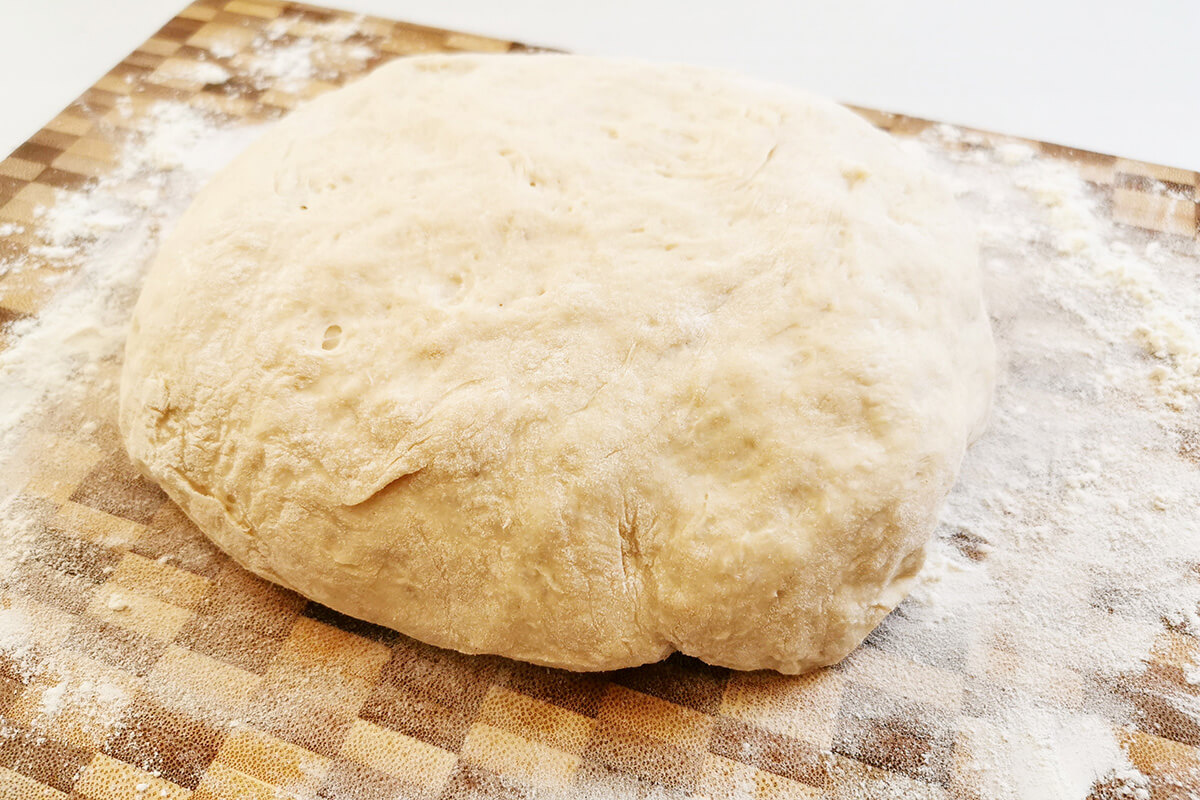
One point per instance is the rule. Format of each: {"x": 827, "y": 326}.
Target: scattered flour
{"x": 101, "y": 238}
{"x": 285, "y": 56}
{"x": 1068, "y": 541}
{"x": 1014, "y": 153}
{"x": 83, "y": 695}
{"x": 1129, "y": 784}
{"x": 223, "y": 48}
{"x": 282, "y": 60}
{"x": 110, "y": 229}
{"x": 1191, "y": 673}
{"x": 1060, "y": 756}
{"x": 207, "y": 72}
{"x": 287, "y": 67}
{"x": 336, "y": 30}
{"x": 75, "y": 219}
{"x": 15, "y": 635}
{"x": 69, "y": 684}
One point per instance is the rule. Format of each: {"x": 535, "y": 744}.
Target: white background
{"x": 1116, "y": 77}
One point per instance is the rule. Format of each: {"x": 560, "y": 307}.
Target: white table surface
{"x": 1114, "y": 76}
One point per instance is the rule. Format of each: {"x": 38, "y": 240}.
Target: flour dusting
{"x": 101, "y": 238}
{"x": 1069, "y": 544}
{"x": 287, "y": 56}
{"x": 108, "y": 231}
{"x": 1060, "y": 756}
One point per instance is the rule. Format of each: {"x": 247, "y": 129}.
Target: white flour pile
{"x": 1066, "y": 550}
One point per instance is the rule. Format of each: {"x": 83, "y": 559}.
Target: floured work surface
{"x": 1050, "y": 651}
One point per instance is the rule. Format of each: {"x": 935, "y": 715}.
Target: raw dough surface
{"x": 574, "y": 360}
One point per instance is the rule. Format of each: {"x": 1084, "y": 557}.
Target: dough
{"x": 573, "y": 360}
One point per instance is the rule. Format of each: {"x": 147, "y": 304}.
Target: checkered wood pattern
{"x": 232, "y": 687}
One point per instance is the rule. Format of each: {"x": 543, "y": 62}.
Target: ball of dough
{"x": 577, "y": 361}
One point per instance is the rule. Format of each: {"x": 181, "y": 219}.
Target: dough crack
{"x": 763, "y": 165}
{"x": 395, "y": 483}
{"x": 631, "y": 551}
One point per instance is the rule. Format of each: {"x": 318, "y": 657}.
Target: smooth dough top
{"x": 574, "y": 360}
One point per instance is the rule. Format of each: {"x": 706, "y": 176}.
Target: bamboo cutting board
{"x": 136, "y": 595}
